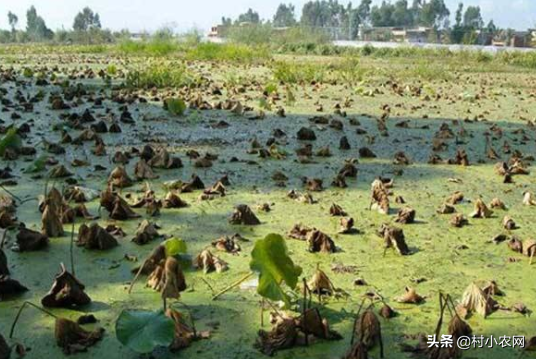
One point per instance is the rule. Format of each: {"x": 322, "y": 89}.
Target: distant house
{"x": 532, "y": 37}
{"x": 515, "y": 39}
{"x": 219, "y": 31}
{"x": 397, "y": 34}
{"x": 420, "y": 35}
{"x": 138, "y": 36}
{"x": 375, "y": 33}
{"x": 521, "y": 39}
{"x": 216, "y": 31}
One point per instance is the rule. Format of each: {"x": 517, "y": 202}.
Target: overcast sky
{"x": 137, "y": 15}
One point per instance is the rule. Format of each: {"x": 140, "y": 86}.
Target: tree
{"x": 249, "y": 16}
{"x": 13, "y": 20}
{"x": 324, "y": 14}
{"x": 86, "y": 20}
{"x": 382, "y": 15}
{"x": 433, "y": 14}
{"x": 355, "y": 21}
{"x": 458, "y": 30}
{"x": 473, "y": 18}
{"x": 491, "y": 28}
{"x": 284, "y": 16}
{"x": 459, "y": 13}
{"x": 36, "y": 27}
{"x": 388, "y": 14}
{"x": 363, "y": 11}
{"x": 402, "y": 15}
{"x": 329, "y": 15}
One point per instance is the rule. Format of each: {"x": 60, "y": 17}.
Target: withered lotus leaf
{"x": 446, "y": 209}
{"x": 51, "y": 224}
{"x": 117, "y": 207}
{"x": 528, "y": 199}
{"x": 209, "y": 262}
{"x": 394, "y": 238}
{"x": 195, "y": 184}
{"x": 312, "y": 323}
{"x": 379, "y": 198}
{"x": 357, "y": 351}
{"x": 80, "y": 211}
{"x": 515, "y": 244}
{"x": 458, "y": 327}
{"x": 401, "y": 159}
{"x": 531, "y": 344}
{"x": 336, "y": 210}
{"x": 497, "y": 203}
{"x": 320, "y": 242}
{"x": 184, "y": 334}
{"x": 458, "y": 220}
{"x": 244, "y": 215}
{"x": 368, "y": 330}
{"x": 95, "y": 237}
{"x": 461, "y": 158}
{"x": 306, "y": 134}
{"x": 475, "y": 300}
{"x": 172, "y": 200}
{"x": 226, "y": 244}
{"x": 81, "y": 194}
{"x": 4, "y": 270}
{"x": 59, "y": 172}
{"x": 119, "y": 178}
{"x": 5, "y": 350}
{"x": 410, "y": 297}
{"x": 283, "y": 335}
{"x": 321, "y": 284}
{"x": 9, "y": 286}
{"x": 7, "y": 219}
{"x": 406, "y": 215}
{"x": 339, "y": 181}
{"x": 366, "y": 152}
{"x": 529, "y": 247}
{"x": 28, "y": 240}
{"x": 217, "y": 189}
{"x": 387, "y": 312}
{"x": 299, "y": 231}
{"x": 162, "y": 159}
{"x": 146, "y": 232}
{"x": 157, "y": 256}
{"x": 455, "y": 198}
{"x": 72, "y": 338}
{"x": 313, "y": 184}
{"x": 143, "y": 171}
{"x": 508, "y": 223}
{"x": 348, "y": 170}
{"x": 168, "y": 279}
{"x": 481, "y": 210}
{"x": 347, "y": 226}
{"x": 66, "y": 292}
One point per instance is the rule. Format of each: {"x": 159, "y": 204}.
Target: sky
{"x": 139, "y": 15}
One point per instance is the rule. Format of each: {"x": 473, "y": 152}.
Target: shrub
{"x": 175, "y": 106}
{"x": 227, "y": 52}
{"x": 159, "y": 75}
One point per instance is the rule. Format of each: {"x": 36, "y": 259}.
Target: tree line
{"x": 347, "y": 19}
{"x": 329, "y": 15}
{"x": 86, "y": 28}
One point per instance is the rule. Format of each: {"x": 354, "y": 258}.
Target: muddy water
{"x": 234, "y": 319}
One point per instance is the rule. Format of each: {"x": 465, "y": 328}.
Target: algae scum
{"x": 391, "y": 152}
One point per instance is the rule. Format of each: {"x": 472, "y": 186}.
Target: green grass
{"x": 227, "y": 52}
{"x": 153, "y": 47}
{"x": 298, "y": 73}
{"x": 158, "y": 74}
